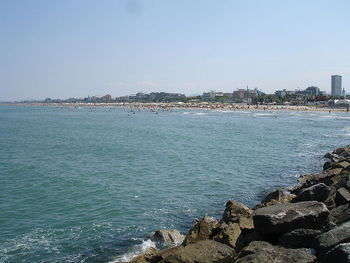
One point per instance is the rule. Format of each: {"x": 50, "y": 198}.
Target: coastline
{"x": 307, "y": 222}
{"x": 191, "y": 105}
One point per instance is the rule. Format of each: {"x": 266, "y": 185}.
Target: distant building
{"x": 312, "y": 91}
{"x": 212, "y": 94}
{"x": 246, "y": 95}
{"x": 336, "y": 85}
{"x": 106, "y": 98}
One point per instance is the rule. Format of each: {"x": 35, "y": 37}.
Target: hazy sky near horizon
{"x": 66, "y": 48}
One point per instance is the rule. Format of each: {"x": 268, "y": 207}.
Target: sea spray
{"x": 135, "y": 251}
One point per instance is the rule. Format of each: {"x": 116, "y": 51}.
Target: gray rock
{"x": 318, "y": 192}
{"x": 299, "y": 238}
{"x": 207, "y": 251}
{"x": 263, "y": 252}
{"x": 333, "y": 237}
{"x": 168, "y": 237}
{"x": 282, "y": 218}
{"x": 339, "y": 254}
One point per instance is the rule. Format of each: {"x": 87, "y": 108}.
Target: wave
{"x": 135, "y": 251}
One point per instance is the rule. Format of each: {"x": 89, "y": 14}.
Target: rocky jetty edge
{"x": 308, "y": 222}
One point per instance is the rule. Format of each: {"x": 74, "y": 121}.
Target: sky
{"x": 80, "y": 48}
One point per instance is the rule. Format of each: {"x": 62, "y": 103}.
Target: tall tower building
{"x": 336, "y": 85}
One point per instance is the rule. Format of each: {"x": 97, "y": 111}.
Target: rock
{"x": 247, "y": 236}
{"x": 327, "y": 165}
{"x": 341, "y": 180}
{"x": 312, "y": 179}
{"x": 202, "y": 230}
{"x": 277, "y": 196}
{"x": 318, "y": 192}
{"x": 168, "y": 237}
{"x": 340, "y": 214}
{"x": 339, "y": 254}
{"x": 162, "y": 254}
{"x": 342, "y": 196}
{"x": 263, "y": 252}
{"x": 299, "y": 238}
{"x": 236, "y": 212}
{"x": 332, "y": 157}
{"x": 145, "y": 257}
{"x": 342, "y": 165}
{"x": 227, "y": 234}
{"x": 207, "y": 251}
{"x": 334, "y": 171}
{"x": 282, "y": 218}
{"x": 333, "y": 237}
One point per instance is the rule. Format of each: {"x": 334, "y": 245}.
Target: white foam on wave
{"x": 135, "y": 251}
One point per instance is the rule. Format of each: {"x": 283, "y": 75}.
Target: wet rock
{"x": 282, "y": 218}
{"x": 342, "y": 196}
{"x": 236, "y": 212}
{"x": 263, "y": 252}
{"x": 168, "y": 237}
{"x": 318, "y": 192}
{"x": 333, "y": 237}
{"x": 339, "y": 254}
{"x": 207, "y": 251}
{"x": 227, "y": 234}
{"x": 299, "y": 238}
{"x": 202, "y": 230}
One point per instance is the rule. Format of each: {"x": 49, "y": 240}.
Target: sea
{"x": 91, "y": 184}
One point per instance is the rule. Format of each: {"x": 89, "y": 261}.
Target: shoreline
{"x": 307, "y": 222}
{"x": 192, "y": 106}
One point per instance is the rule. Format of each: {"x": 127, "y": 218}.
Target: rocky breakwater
{"x": 309, "y": 222}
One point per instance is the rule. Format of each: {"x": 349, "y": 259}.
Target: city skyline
{"x": 74, "y": 49}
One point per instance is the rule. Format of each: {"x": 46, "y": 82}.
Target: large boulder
{"x": 263, "y": 252}
{"x": 282, "y": 218}
{"x": 299, "y": 238}
{"x": 340, "y": 214}
{"x": 202, "y": 230}
{"x": 317, "y": 192}
{"x": 227, "y": 234}
{"x": 342, "y": 196}
{"x": 339, "y": 254}
{"x": 247, "y": 236}
{"x": 279, "y": 195}
{"x": 145, "y": 257}
{"x": 168, "y": 237}
{"x": 207, "y": 251}
{"x": 236, "y": 212}
{"x": 162, "y": 254}
{"x": 333, "y": 237}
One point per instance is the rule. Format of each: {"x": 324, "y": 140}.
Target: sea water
{"x": 91, "y": 184}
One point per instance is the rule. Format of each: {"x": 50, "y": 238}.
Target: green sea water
{"x": 91, "y": 184}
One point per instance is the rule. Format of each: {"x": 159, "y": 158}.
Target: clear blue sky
{"x": 66, "y": 48}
